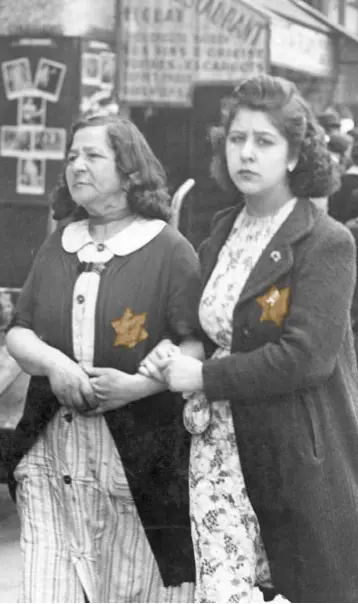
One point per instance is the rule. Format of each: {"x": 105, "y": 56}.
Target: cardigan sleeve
{"x": 184, "y": 291}
{"x": 25, "y": 307}
{"x": 307, "y": 351}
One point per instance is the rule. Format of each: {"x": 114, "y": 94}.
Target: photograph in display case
{"x": 30, "y": 176}
{"x": 48, "y": 80}
{"x": 31, "y": 111}
{"x": 91, "y": 69}
{"x": 50, "y": 143}
{"x": 17, "y": 78}
{"x": 16, "y": 141}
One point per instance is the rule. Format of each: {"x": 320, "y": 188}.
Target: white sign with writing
{"x": 166, "y": 46}
{"x": 301, "y": 48}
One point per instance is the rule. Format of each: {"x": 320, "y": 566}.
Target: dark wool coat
{"x": 294, "y": 397}
{"x": 161, "y": 279}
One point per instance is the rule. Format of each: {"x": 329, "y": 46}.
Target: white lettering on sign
{"x": 300, "y": 48}
{"x": 167, "y": 47}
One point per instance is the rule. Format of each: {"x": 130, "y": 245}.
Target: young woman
{"x": 273, "y": 409}
{"x": 100, "y": 458}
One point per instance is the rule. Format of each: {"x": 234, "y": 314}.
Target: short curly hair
{"x": 147, "y": 192}
{"x": 315, "y": 174}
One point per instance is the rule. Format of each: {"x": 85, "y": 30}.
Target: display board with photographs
{"x": 30, "y": 141}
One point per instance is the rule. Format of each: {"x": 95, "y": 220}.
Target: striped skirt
{"x": 81, "y": 536}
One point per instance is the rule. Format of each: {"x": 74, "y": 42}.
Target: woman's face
{"x": 257, "y": 154}
{"x": 91, "y": 173}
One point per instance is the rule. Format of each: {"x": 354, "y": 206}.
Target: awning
{"x": 294, "y": 13}
{"x": 319, "y": 16}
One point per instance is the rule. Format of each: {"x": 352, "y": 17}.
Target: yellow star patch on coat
{"x": 129, "y": 329}
{"x": 274, "y": 304}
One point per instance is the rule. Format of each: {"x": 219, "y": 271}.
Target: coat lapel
{"x": 216, "y": 241}
{"x": 276, "y": 259}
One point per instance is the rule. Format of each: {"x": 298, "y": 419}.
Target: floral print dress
{"x": 229, "y": 554}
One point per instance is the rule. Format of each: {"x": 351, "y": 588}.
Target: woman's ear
{"x": 292, "y": 163}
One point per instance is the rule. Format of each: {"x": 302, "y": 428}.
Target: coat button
{"x": 68, "y": 417}
{"x": 67, "y": 479}
{"x": 245, "y": 331}
{"x": 100, "y": 247}
{"x": 80, "y": 299}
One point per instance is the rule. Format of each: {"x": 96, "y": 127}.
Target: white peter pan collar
{"x": 135, "y": 236}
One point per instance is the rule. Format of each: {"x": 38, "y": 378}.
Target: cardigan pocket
{"x": 307, "y": 428}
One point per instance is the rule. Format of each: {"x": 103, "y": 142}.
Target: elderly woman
{"x": 100, "y": 457}
{"x": 273, "y": 410}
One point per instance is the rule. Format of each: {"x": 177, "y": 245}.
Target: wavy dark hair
{"x": 147, "y": 193}
{"x": 315, "y": 174}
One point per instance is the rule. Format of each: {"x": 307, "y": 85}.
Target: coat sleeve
{"x": 319, "y": 317}
{"x": 184, "y": 292}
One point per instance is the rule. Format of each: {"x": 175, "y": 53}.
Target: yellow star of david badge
{"x": 129, "y": 329}
{"x": 275, "y": 303}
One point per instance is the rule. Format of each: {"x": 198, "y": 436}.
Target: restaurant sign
{"x": 167, "y": 46}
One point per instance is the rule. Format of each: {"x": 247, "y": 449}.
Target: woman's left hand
{"x": 182, "y": 373}
{"x": 112, "y": 388}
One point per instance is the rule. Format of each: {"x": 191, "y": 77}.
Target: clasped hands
{"x": 91, "y": 391}
{"x": 95, "y": 390}
{"x": 165, "y": 363}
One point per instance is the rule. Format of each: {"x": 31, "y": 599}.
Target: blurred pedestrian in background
{"x": 100, "y": 457}
{"x": 353, "y": 134}
{"x": 330, "y": 122}
{"x": 273, "y": 409}
{"x": 343, "y": 204}
{"x": 339, "y": 146}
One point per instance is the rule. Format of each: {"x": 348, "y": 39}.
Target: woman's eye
{"x": 236, "y": 139}
{"x": 264, "y": 142}
{"x": 70, "y": 158}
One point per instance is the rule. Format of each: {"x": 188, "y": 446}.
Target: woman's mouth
{"x": 247, "y": 173}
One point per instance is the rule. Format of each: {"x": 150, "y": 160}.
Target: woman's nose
{"x": 79, "y": 164}
{"x": 247, "y": 149}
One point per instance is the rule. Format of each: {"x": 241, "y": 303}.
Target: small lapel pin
{"x": 275, "y": 256}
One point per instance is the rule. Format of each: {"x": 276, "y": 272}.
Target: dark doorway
{"x": 208, "y": 198}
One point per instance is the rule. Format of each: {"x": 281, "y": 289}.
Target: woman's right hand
{"x": 149, "y": 367}
{"x": 71, "y": 385}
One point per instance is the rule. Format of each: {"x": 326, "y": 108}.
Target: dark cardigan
{"x": 161, "y": 279}
{"x": 294, "y": 397}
